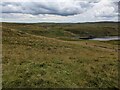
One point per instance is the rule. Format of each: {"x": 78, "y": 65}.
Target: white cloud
{"x": 105, "y": 8}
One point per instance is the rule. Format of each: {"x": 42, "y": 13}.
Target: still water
{"x": 107, "y": 38}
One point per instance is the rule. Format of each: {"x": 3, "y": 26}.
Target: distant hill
{"x": 67, "y": 30}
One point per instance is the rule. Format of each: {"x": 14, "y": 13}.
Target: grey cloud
{"x": 36, "y": 8}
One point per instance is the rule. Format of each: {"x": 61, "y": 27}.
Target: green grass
{"x": 36, "y": 60}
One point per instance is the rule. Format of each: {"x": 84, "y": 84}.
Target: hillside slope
{"x": 31, "y": 60}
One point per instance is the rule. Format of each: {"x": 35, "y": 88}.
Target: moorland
{"x": 53, "y": 55}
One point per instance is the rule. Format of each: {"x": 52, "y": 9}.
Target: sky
{"x": 59, "y": 11}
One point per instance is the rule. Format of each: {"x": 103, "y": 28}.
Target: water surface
{"x": 107, "y": 38}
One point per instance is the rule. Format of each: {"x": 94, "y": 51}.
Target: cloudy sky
{"x": 59, "y": 10}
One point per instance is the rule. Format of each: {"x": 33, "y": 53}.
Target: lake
{"x": 106, "y": 38}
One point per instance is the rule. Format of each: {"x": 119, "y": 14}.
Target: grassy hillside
{"x": 68, "y": 30}
{"x": 31, "y": 58}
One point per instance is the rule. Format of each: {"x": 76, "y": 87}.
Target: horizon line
{"x": 64, "y": 22}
